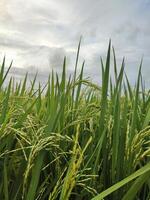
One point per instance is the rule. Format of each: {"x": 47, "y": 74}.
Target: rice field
{"x": 74, "y": 139}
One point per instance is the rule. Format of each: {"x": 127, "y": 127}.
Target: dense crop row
{"x": 61, "y": 141}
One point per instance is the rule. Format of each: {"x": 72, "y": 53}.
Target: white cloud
{"x": 32, "y": 32}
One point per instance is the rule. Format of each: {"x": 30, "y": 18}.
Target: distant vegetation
{"x": 73, "y": 139}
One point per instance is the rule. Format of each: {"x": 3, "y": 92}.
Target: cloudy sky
{"x": 38, "y": 33}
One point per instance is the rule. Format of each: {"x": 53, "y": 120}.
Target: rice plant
{"x": 74, "y": 139}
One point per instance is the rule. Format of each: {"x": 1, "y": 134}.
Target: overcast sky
{"x": 38, "y": 33}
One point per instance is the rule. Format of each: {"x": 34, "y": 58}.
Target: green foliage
{"x": 73, "y": 139}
